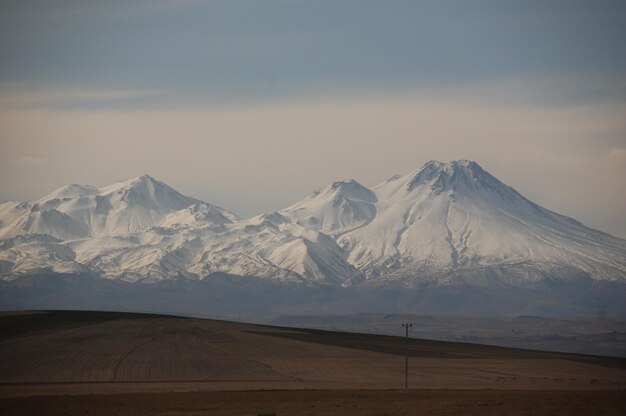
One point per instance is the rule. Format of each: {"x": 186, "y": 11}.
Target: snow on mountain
{"x": 70, "y": 191}
{"x": 335, "y": 209}
{"x": 143, "y": 230}
{"x": 198, "y": 215}
{"x": 313, "y": 255}
{"x": 22, "y": 219}
{"x": 440, "y": 224}
{"x": 270, "y": 246}
{"x": 456, "y": 219}
{"x": 267, "y": 246}
{"x": 36, "y": 253}
{"x": 79, "y": 211}
{"x": 126, "y": 206}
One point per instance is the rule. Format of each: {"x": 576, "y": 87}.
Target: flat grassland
{"x": 123, "y": 363}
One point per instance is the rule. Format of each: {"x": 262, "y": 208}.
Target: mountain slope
{"x": 447, "y": 220}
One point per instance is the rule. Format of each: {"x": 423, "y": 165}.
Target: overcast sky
{"x": 251, "y": 105}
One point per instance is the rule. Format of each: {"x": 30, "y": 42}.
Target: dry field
{"x": 114, "y": 363}
{"x": 327, "y": 403}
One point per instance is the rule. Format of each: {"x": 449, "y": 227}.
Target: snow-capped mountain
{"x": 78, "y": 211}
{"x": 445, "y": 222}
{"x": 441, "y": 224}
{"x": 335, "y": 209}
{"x": 143, "y": 230}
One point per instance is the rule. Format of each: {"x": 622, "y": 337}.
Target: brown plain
{"x": 121, "y": 363}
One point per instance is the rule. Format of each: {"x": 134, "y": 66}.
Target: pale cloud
{"x": 30, "y": 160}
{"x": 618, "y": 154}
{"x": 541, "y": 90}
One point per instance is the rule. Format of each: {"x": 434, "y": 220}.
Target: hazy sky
{"x": 251, "y": 105}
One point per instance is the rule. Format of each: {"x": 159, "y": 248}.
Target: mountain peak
{"x": 69, "y": 191}
{"x": 144, "y": 178}
{"x": 137, "y": 181}
{"x": 461, "y": 164}
{"x": 350, "y": 183}
{"x": 465, "y": 165}
{"x": 442, "y": 176}
{"x": 148, "y": 193}
{"x": 146, "y": 182}
{"x": 350, "y": 189}
{"x": 336, "y": 208}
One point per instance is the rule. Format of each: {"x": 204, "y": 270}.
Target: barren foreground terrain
{"x": 116, "y": 363}
{"x": 328, "y": 402}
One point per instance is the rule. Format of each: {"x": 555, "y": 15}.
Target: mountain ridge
{"x": 444, "y": 223}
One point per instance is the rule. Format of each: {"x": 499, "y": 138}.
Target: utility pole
{"x": 406, "y": 355}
